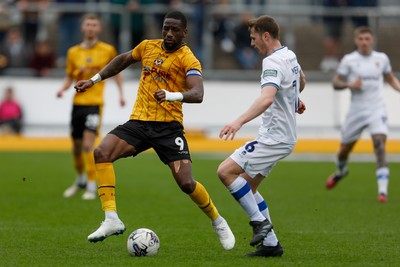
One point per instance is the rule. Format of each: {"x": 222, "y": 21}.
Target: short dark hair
{"x": 90, "y": 16}
{"x": 363, "y": 29}
{"x": 178, "y": 16}
{"x": 265, "y": 24}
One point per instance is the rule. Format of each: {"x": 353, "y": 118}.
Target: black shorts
{"x": 85, "y": 118}
{"x": 166, "y": 138}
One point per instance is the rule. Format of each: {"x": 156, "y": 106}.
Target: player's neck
{"x": 276, "y": 44}
{"x": 89, "y": 43}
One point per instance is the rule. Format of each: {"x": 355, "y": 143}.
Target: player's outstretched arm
{"x": 262, "y": 103}
{"x": 115, "y": 66}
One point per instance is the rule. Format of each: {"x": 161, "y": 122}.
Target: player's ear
{"x": 185, "y": 33}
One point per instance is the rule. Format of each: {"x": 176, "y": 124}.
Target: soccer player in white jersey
{"x": 363, "y": 71}
{"x": 281, "y": 82}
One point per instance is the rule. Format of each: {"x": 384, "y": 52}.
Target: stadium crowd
{"x": 35, "y": 34}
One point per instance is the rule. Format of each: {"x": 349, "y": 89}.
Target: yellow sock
{"x": 106, "y": 186}
{"x": 201, "y": 197}
{"x": 90, "y": 166}
{"x": 79, "y": 163}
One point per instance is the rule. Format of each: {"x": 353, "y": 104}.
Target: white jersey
{"x": 370, "y": 69}
{"x": 281, "y": 70}
{"x": 367, "y": 108}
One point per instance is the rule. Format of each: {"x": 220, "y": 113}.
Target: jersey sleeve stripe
{"x": 270, "y": 84}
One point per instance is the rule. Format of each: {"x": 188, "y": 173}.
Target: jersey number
{"x": 179, "y": 142}
{"x": 250, "y": 146}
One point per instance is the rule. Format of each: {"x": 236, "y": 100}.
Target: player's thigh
{"x": 353, "y": 128}
{"x": 169, "y": 142}
{"x": 112, "y": 148}
{"x": 258, "y": 158}
{"x": 378, "y": 125}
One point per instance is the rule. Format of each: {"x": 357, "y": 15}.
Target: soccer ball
{"x": 143, "y": 242}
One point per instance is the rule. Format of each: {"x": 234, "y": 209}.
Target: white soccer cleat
{"x": 89, "y": 195}
{"x": 225, "y": 235}
{"x": 72, "y": 190}
{"x": 107, "y": 228}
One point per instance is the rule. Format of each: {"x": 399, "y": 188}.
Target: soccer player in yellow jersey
{"x": 83, "y": 61}
{"x": 171, "y": 74}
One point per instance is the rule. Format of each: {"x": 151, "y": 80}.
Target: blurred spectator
{"x": 31, "y": 11}
{"x": 199, "y": 9}
{"x": 136, "y": 19}
{"x": 5, "y": 20}
{"x": 43, "y": 59}
{"x": 222, "y": 29}
{"x": 10, "y": 113}
{"x": 245, "y": 54}
{"x": 334, "y": 27}
{"x": 15, "y": 50}
{"x": 69, "y": 24}
{"x": 169, "y": 5}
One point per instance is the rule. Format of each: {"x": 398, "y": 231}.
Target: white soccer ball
{"x": 143, "y": 242}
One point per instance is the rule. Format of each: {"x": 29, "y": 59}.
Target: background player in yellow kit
{"x": 83, "y": 61}
{"x": 171, "y": 74}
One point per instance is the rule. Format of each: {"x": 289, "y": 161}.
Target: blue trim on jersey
{"x": 262, "y": 205}
{"x": 242, "y": 191}
{"x": 278, "y": 49}
{"x": 193, "y": 72}
{"x": 272, "y": 84}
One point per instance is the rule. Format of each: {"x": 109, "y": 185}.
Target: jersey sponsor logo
{"x": 156, "y": 74}
{"x": 273, "y": 73}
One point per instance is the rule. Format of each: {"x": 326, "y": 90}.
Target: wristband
{"x": 96, "y": 78}
{"x": 176, "y": 96}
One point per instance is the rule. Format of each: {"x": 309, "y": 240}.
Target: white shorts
{"x": 258, "y": 158}
{"x": 356, "y": 123}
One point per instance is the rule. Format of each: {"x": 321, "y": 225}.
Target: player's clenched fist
{"x": 82, "y": 86}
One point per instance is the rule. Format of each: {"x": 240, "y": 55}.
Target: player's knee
{"x": 101, "y": 156}
{"x": 222, "y": 174}
{"x": 187, "y": 186}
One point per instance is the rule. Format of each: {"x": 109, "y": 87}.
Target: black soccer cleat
{"x": 260, "y": 231}
{"x": 267, "y": 251}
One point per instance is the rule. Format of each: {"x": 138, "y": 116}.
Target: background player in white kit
{"x": 363, "y": 71}
{"x": 281, "y": 82}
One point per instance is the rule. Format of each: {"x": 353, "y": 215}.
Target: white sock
{"x": 341, "y": 166}
{"x": 111, "y": 215}
{"x": 91, "y": 186}
{"x": 241, "y": 191}
{"x": 81, "y": 179}
{"x": 382, "y": 176}
{"x": 218, "y": 220}
{"x": 270, "y": 239}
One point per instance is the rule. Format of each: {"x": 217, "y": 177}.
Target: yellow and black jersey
{"x": 83, "y": 63}
{"x": 162, "y": 70}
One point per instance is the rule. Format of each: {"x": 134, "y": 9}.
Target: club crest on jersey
{"x": 89, "y": 60}
{"x": 158, "y": 62}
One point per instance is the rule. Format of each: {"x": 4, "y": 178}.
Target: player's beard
{"x": 170, "y": 46}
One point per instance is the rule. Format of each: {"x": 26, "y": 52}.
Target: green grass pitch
{"x": 316, "y": 227}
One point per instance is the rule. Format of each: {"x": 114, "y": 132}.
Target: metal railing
{"x": 289, "y": 17}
